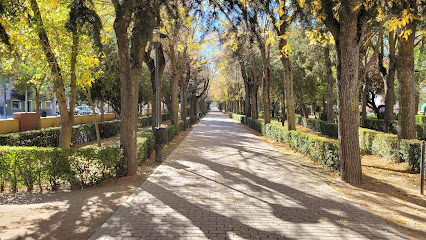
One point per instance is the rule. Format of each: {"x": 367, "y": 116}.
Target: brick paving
{"x": 222, "y": 182}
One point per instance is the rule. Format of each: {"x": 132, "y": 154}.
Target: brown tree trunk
{"x": 131, "y": 56}
{"x": 364, "y": 98}
{"x": 389, "y": 80}
{"x": 37, "y": 99}
{"x": 266, "y": 99}
{"x": 102, "y": 111}
{"x": 92, "y": 106}
{"x": 67, "y": 117}
{"x": 174, "y": 88}
{"x": 347, "y": 47}
{"x": 330, "y": 84}
{"x": 254, "y": 111}
{"x": 304, "y": 110}
{"x": 183, "y": 111}
{"x": 407, "y": 87}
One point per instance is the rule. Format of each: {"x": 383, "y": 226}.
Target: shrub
{"x": 76, "y": 166}
{"x": 38, "y": 165}
{"x": 252, "y": 123}
{"x": 49, "y": 137}
{"x": 324, "y": 151}
{"x": 410, "y": 151}
{"x": 378, "y": 143}
{"x": 81, "y": 133}
{"x": 378, "y": 125}
{"x": 145, "y": 145}
{"x": 421, "y": 119}
{"x": 329, "y": 129}
{"x": 386, "y": 145}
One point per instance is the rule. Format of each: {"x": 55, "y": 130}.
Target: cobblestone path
{"x": 222, "y": 182}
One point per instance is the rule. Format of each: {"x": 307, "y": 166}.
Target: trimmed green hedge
{"x": 324, "y": 151}
{"x": 386, "y": 145}
{"x": 378, "y": 125}
{"x": 27, "y": 166}
{"x": 421, "y": 119}
{"x": 329, "y": 129}
{"x": 81, "y": 133}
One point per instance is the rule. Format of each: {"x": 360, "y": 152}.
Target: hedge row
{"x": 386, "y": 145}
{"x": 81, "y": 133}
{"x": 373, "y": 142}
{"x": 329, "y": 129}
{"x": 378, "y": 125}
{"x": 421, "y": 119}
{"x": 324, "y": 151}
{"x": 29, "y": 166}
{"x": 41, "y": 166}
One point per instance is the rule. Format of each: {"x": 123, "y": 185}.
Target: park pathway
{"x": 222, "y": 182}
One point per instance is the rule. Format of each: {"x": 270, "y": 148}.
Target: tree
{"x": 405, "y": 71}
{"x": 141, "y": 17}
{"x": 345, "y": 20}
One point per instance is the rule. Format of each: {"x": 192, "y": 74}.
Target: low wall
{"x": 12, "y": 125}
{"x": 56, "y": 121}
{"x": 9, "y": 125}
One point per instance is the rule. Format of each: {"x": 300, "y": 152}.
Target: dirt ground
{"x": 75, "y": 214}
{"x": 389, "y": 190}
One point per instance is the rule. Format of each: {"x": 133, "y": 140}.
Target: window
{"x": 48, "y": 105}
{"x": 16, "y": 105}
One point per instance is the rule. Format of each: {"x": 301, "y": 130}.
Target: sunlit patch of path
{"x": 222, "y": 182}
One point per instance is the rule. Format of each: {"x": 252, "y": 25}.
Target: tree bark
{"x": 184, "y": 88}
{"x": 67, "y": 117}
{"x": 37, "y": 99}
{"x": 330, "y": 84}
{"x": 92, "y": 106}
{"x": 389, "y": 80}
{"x": 365, "y": 88}
{"x": 347, "y": 46}
{"x": 150, "y": 62}
{"x": 255, "y": 89}
{"x": 407, "y": 87}
{"x": 102, "y": 111}
{"x": 131, "y": 56}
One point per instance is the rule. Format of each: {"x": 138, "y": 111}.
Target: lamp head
{"x": 156, "y": 36}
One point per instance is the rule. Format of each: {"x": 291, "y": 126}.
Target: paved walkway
{"x": 222, "y": 182}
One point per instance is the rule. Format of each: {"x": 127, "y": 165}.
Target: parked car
{"x": 85, "y": 110}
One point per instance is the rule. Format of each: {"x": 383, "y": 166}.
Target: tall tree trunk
{"x": 304, "y": 110}
{"x": 364, "y": 99}
{"x": 37, "y": 99}
{"x": 168, "y": 101}
{"x": 131, "y": 57}
{"x": 254, "y": 111}
{"x": 184, "y": 105}
{"x": 102, "y": 111}
{"x": 330, "y": 84}
{"x": 92, "y": 106}
{"x": 247, "y": 99}
{"x": 67, "y": 117}
{"x": 389, "y": 79}
{"x": 407, "y": 87}
{"x": 266, "y": 99}
{"x": 174, "y": 88}
{"x": 288, "y": 88}
{"x": 347, "y": 47}
{"x": 363, "y": 77}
